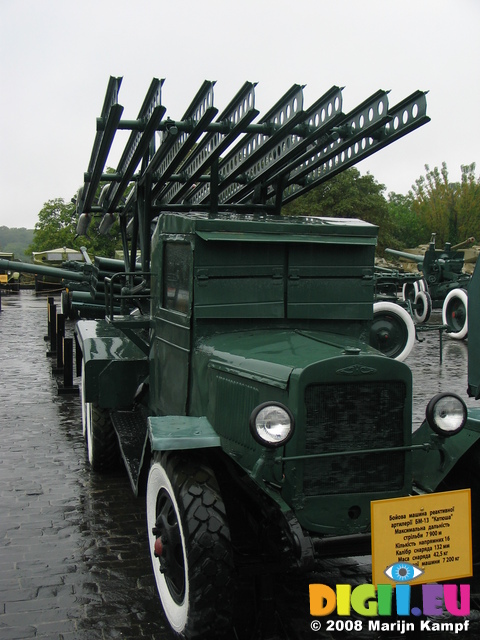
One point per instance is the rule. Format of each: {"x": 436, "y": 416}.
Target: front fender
{"x": 169, "y": 433}
{"x": 431, "y": 466}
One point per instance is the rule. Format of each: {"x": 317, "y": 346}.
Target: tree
{"x": 56, "y": 227}
{"x": 349, "y": 195}
{"x": 449, "y": 209}
{"x": 15, "y": 240}
{"x": 408, "y": 229}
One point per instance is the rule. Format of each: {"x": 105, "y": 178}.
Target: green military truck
{"x": 246, "y": 383}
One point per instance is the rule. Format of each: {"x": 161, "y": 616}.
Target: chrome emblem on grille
{"x": 356, "y": 370}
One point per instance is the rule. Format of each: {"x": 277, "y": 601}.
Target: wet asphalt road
{"x": 73, "y": 556}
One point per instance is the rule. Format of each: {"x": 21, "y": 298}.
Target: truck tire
{"x": 455, "y": 313}
{"x": 101, "y": 439}
{"x": 392, "y": 331}
{"x": 190, "y": 547}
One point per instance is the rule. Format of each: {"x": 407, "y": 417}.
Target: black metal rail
{"x": 214, "y": 162}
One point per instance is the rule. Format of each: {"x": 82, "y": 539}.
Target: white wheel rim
{"x": 461, "y": 295}
{"x": 423, "y": 298}
{"x": 395, "y": 309}
{"x": 177, "y": 614}
{"x": 84, "y": 404}
{"x": 405, "y": 289}
{"x": 88, "y": 421}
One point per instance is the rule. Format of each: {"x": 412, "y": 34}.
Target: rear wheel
{"x": 392, "y": 331}
{"x": 454, "y": 313}
{"x": 190, "y": 548}
{"x": 100, "y": 438}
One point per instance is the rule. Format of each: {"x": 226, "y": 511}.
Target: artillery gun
{"x": 81, "y": 282}
{"x": 249, "y": 394}
{"x": 443, "y": 286}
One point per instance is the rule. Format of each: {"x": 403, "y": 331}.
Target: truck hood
{"x": 271, "y": 355}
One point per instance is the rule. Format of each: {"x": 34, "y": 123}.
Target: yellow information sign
{"x": 431, "y": 532}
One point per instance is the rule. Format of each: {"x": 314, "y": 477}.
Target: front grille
{"x": 349, "y": 417}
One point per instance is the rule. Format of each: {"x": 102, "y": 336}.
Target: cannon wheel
{"x": 392, "y": 330}
{"x": 422, "y": 307}
{"x": 100, "y": 438}
{"x": 190, "y": 547}
{"x": 454, "y": 313}
{"x": 410, "y": 290}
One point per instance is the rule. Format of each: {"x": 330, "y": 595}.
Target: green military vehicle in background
{"x": 241, "y": 373}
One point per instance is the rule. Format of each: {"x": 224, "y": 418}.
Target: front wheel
{"x": 190, "y": 548}
{"x": 392, "y": 330}
{"x": 455, "y": 313}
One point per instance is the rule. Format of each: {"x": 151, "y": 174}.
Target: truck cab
{"x": 251, "y": 312}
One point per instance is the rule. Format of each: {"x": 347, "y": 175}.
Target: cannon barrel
{"x": 403, "y": 254}
{"x": 463, "y": 245}
{"x": 56, "y": 272}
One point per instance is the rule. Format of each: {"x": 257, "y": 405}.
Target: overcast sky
{"x": 56, "y": 57}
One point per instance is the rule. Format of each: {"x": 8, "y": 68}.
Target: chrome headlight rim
{"x": 253, "y": 425}
{"x": 431, "y": 419}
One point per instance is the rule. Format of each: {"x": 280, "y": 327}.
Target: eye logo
{"x": 403, "y": 572}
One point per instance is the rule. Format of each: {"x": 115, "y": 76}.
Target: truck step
{"x": 131, "y": 429}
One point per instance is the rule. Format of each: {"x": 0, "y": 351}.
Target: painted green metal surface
{"x": 26, "y": 267}
{"x": 169, "y": 433}
{"x": 114, "y": 366}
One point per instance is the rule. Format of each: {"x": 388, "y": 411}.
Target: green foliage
{"x": 408, "y": 229}
{"x": 349, "y": 195}
{"x": 434, "y": 205}
{"x": 16, "y": 241}
{"x": 449, "y": 209}
{"x": 56, "y": 227}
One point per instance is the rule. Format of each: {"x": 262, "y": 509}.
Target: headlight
{"x": 271, "y": 424}
{"x": 446, "y": 414}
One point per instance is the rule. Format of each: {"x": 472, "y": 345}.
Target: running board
{"x": 131, "y": 429}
